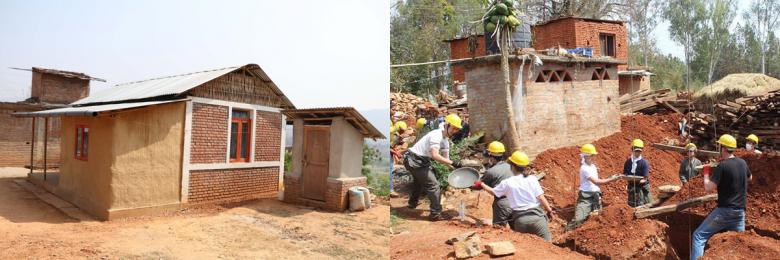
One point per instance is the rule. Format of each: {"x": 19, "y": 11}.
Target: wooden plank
{"x": 643, "y": 213}
{"x": 682, "y": 149}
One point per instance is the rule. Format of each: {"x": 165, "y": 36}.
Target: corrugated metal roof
{"x": 171, "y": 85}
{"x": 350, "y": 114}
{"x": 91, "y": 110}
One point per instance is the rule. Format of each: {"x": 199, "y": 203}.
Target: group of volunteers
{"x": 519, "y": 201}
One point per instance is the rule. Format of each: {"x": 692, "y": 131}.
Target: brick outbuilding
{"x": 204, "y": 137}
{"x": 604, "y": 37}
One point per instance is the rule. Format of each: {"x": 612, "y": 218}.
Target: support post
{"x": 32, "y": 148}
{"x": 45, "y": 143}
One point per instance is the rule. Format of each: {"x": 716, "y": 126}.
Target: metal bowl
{"x": 463, "y": 178}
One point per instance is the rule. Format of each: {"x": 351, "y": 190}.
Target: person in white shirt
{"x": 417, "y": 161}
{"x": 590, "y": 194}
{"x": 525, "y": 197}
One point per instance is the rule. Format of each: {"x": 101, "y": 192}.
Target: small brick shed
{"x": 605, "y": 37}
{"x": 327, "y": 156}
{"x": 563, "y": 102}
{"x": 204, "y": 137}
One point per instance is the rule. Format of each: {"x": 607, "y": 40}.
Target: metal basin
{"x": 463, "y": 178}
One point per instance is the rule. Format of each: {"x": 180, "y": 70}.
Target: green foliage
{"x": 378, "y": 184}
{"x": 287, "y": 160}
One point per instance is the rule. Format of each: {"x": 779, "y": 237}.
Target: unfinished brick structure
{"x": 561, "y": 103}
{"x": 633, "y": 81}
{"x": 605, "y": 37}
{"x": 459, "y": 48}
{"x": 49, "y": 89}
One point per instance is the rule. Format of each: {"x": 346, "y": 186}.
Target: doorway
{"x": 316, "y": 157}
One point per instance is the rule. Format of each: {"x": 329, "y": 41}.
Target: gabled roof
{"x": 172, "y": 86}
{"x": 350, "y": 114}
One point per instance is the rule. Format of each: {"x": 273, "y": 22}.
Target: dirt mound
{"x": 562, "y": 165}
{"x": 744, "y": 245}
{"x": 615, "y": 234}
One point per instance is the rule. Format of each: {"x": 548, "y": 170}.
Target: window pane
{"x": 233, "y": 139}
{"x": 78, "y": 142}
{"x": 240, "y": 114}
{"x": 85, "y": 147}
{"x": 244, "y": 140}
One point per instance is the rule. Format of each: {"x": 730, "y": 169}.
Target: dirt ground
{"x": 262, "y": 229}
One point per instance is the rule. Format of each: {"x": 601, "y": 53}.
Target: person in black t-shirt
{"x": 730, "y": 177}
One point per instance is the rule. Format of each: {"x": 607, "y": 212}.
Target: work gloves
{"x": 477, "y": 184}
{"x": 456, "y": 164}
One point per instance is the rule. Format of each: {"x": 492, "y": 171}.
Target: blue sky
{"x": 320, "y": 53}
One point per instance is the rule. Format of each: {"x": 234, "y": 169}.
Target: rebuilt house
{"x": 49, "y": 89}
{"x": 203, "y": 137}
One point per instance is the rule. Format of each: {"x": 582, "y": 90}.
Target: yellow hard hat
{"x": 638, "y": 143}
{"x": 753, "y": 138}
{"x": 454, "y": 120}
{"x": 588, "y": 149}
{"x": 690, "y": 145}
{"x": 401, "y": 125}
{"x": 496, "y": 147}
{"x": 519, "y": 158}
{"x": 421, "y": 122}
{"x": 728, "y": 141}
{"x": 392, "y": 127}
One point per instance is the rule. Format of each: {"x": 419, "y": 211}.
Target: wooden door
{"x": 316, "y": 155}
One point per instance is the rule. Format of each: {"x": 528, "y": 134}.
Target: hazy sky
{"x": 320, "y": 53}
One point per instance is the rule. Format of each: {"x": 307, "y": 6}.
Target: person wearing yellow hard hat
{"x": 497, "y": 170}
{"x": 589, "y": 196}
{"x": 421, "y": 123}
{"x": 525, "y": 195}
{"x": 689, "y": 164}
{"x": 636, "y": 165}
{"x": 751, "y": 144}
{"x": 730, "y": 178}
{"x": 399, "y": 140}
{"x": 435, "y": 145}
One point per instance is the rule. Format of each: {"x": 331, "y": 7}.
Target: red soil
{"x": 615, "y": 234}
{"x": 562, "y": 165}
{"x": 745, "y": 245}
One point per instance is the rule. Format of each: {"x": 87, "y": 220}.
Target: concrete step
{"x": 65, "y": 207}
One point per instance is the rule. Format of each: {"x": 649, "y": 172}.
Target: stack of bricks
{"x": 209, "y": 133}
{"x": 268, "y": 136}
{"x": 233, "y": 184}
{"x": 547, "y": 114}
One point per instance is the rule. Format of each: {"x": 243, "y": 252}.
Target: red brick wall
{"x": 268, "y": 136}
{"x": 459, "y": 48}
{"x": 209, "y": 133}
{"x": 336, "y": 195}
{"x": 56, "y": 89}
{"x": 15, "y": 137}
{"x": 552, "y": 114}
{"x": 233, "y": 184}
{"x": 575, "y": 32}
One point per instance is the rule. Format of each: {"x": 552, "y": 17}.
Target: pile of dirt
{"x": 562, "y": 165}
{"x": 744, "y": 245}
{"x": 615, "y": 234}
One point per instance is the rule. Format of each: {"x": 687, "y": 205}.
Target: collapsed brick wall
{"x": 459, "y": 49}
{"x": 16, "y": 137}
{"x": 552, "y": 114}
{"x": 576, "y": 32}
{"x": 268, "y": 136}
{"x": 57, "y": 89}
{"x": 209, "y": 133}
{"x": 233, "y": 184}
{"x": 336, "y": 195}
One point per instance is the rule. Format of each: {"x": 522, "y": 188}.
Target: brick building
{"x": 49, "y": 89}
{"x": 203, "y": 137}
{"x": 604, "y": 37}
{"x": 465, "y": 47}
{"x": 564, "y": 102}
{"x": 632, "y": 81}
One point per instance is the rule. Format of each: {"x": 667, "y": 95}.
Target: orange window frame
{"x": 80, "y": 152}
{"x": 240, "y": 123}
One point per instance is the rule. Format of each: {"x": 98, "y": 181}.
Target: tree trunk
{"x": 687, "y": 70}
{"x": 511, "y": 137}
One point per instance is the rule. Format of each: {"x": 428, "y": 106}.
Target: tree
{"x": 720, "y": 14}
{"x": 686, "y": 18}
{"x": 762, "y": 16}
{"x": 642, "y": 19}
{"x": 550, "y": 9}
